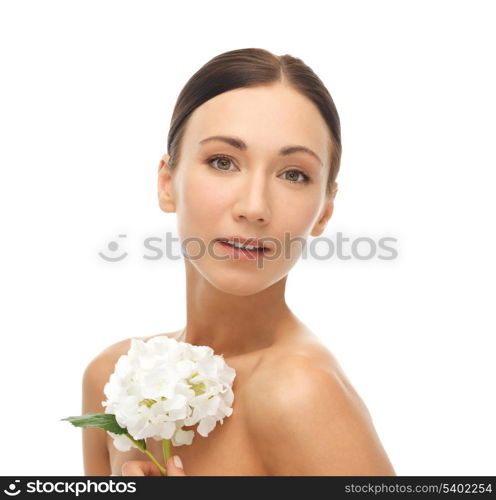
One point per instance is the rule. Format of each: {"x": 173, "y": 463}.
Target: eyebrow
{"x": 239, "y": 144}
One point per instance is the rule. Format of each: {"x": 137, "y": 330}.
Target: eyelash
{"x": 306, "y": 179}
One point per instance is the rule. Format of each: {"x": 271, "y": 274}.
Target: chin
{"x": 239, "y": 287}
{"x": 239, "y": 283}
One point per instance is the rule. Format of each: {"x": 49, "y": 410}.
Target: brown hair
{"x": 252, "y": 67}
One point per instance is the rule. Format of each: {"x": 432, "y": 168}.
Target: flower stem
{"x": 162, "y": 470}
{"x": 166, "y": 449}
{"x": 156, "y": 462}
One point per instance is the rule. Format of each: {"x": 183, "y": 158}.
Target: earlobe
{"x": 327, "y": 212}
{"x": 334, "y": 190}
{"x": 324, "y": 218}
{"x": 165, "y": 193}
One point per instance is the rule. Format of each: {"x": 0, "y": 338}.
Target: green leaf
{"x": 104, "y": 421}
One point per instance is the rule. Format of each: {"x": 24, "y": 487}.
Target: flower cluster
{"x": 162, "y": 386}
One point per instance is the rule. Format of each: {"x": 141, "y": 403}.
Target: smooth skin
{"x": 295, "y": 411}
{"x": 142, "y": 468}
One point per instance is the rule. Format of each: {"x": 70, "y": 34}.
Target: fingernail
{"x": 177, "y": 462}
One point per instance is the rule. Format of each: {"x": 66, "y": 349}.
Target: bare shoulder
{"x": 307, "y": 418}
{"x": 298, "y": 370}
{"x": 103, "y": 362}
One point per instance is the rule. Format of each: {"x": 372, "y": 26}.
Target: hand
{"x": 146, "y": 468}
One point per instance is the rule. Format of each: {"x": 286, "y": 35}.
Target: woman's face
{"x": 248, "y": 185}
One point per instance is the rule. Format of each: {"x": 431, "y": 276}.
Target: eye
{"x": 294, "y": 176}
{"x": 223, "y": 164}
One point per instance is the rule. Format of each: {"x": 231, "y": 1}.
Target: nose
{"x": 252, "y": 203}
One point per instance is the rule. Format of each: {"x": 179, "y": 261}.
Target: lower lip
{"x": 240, "y": 254}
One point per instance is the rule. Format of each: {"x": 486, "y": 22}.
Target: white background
{"x": 87, "y": 92}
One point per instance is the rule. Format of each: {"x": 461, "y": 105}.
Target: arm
{"x": 95, "y": 453}
{"x": 307, "y": 422}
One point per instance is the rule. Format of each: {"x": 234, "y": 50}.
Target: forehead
{"x": 265, "y": 117}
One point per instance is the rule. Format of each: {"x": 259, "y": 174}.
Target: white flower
{"x": 122, "y": 442}
{"x": 162, "y": 385}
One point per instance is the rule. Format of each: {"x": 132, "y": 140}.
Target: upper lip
{"x": 246, "y": 241}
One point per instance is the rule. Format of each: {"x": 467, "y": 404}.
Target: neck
{"x": 234, "y": 324}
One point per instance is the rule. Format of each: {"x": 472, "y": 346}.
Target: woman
{"x": 254, "y": 150}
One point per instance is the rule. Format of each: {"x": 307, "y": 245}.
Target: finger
{"x": 175, "y": 466}
{"x": 139, "y": 468}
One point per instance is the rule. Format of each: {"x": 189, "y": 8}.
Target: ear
{"x": 326, "y": 213}
{"x": 165, "y": 192}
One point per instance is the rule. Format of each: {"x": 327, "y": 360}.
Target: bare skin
{"x": 352, "y": 448}
{"x": 294, "y": 412}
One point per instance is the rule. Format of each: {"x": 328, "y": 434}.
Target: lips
{"x": 240, "y": 240}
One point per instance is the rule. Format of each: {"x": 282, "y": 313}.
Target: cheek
{"x": 203, "y": 200}
{"x": 295, "y": 225}
{"x": 298, "y": 215}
